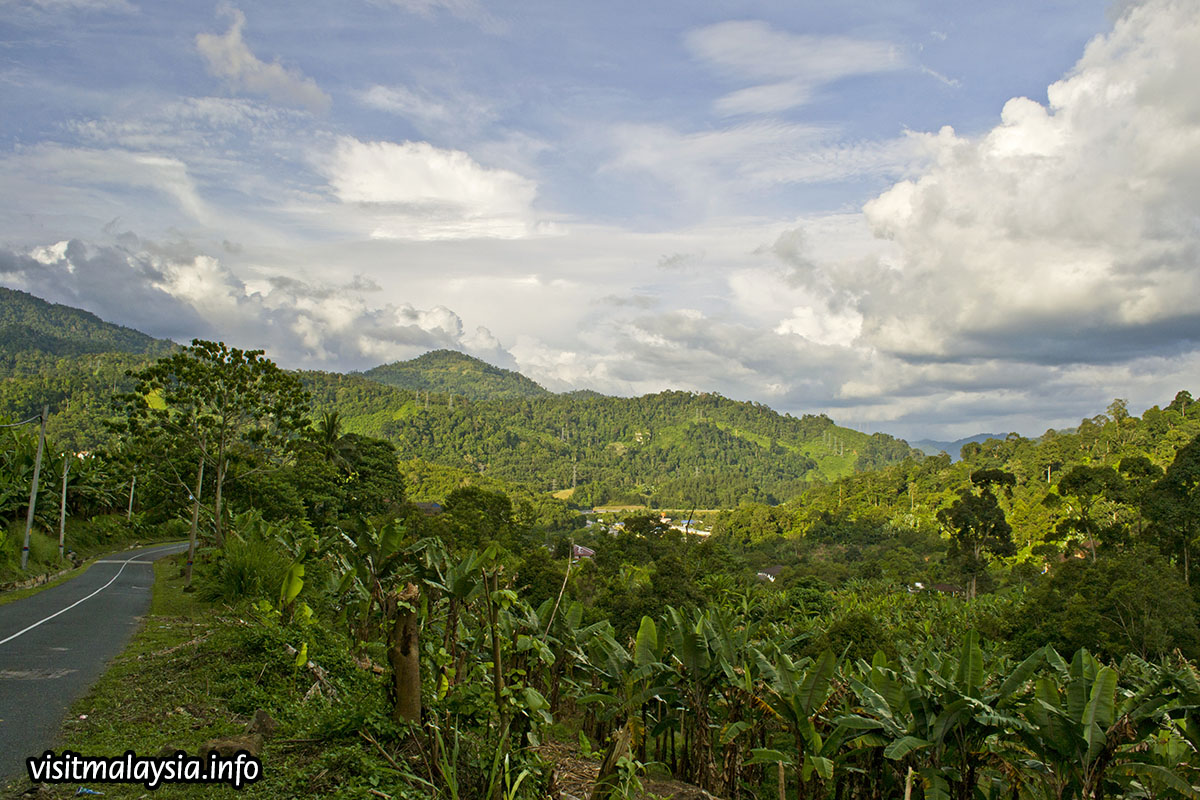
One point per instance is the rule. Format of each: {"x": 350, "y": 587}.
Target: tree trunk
{"x": 129, "y": 510}
{"x": 37, "y": 469}
{"x": 62, "y": 508}
{"x": 702, "y": 750}
{"x": 450, "y": 642}
{"x": 191, "y": 556}
{"x": 404, "y": 654}
{"x": 494, "y": 623}
{"x": 606, "y": 779}
{"x": 220, "y": 528}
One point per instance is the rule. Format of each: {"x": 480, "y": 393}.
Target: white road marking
{"x": 34, "y": 674}
{"x": 130, "y": 560}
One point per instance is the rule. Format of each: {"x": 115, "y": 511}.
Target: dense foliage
{"x": 1020, "y": 624}
{"x": 671, "y": 449}
{"x": 449, "y": 372}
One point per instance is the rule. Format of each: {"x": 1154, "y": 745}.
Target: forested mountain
{"x": 829, "y": 642}
{"x": 451, "y": 372}
{"x": 68, "y": 359}
{"x": 667, "y": 449}
{"x": 1114, "y": 483}
{"x": 30, "y": 325}
{"x": 675, "y": 449}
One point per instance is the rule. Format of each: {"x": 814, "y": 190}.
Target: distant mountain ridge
{"x": 451, "y": 409}
{"x": 932, "y": 447}
{"x": 452, "y": 372}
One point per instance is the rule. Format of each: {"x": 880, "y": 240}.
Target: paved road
{"x": 55, "y": 644}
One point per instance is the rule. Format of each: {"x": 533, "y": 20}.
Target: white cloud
{"x": 78, "y": 5}
{"x": 431, "y": 109}
{"x": 467, "y": 10}
{"x": 173, "y": 291}
{"x": 230, "y": 59}
{"x": 715, "y": 166}
{"x": 100, "y": 173}
{"x": 787, "y": 67}
{"x": 1068, "y": 232}
{"x": 406, "y": 102}
{"x": 416, "y": 190}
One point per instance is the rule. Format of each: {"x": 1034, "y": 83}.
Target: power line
{"x": 38, "y": 418}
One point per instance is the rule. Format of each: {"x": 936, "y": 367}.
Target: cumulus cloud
{"x": 790, "y": 66}
{"x": 413, "y": 190}
{"x": 229, "y": 58}
{"x": 1068, "y": 233}
{"x": 170, "y": 290}
{"x": 110, "y": 282}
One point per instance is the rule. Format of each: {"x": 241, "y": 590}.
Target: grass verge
{"x": 195, "y": 672}
{"x": 21, "y": 594}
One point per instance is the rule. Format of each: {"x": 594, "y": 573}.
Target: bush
{"x": 244, "y": 570}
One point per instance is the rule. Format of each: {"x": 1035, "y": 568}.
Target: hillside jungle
{"x": 1019, "y": 623}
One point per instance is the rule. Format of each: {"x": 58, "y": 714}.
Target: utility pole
{"x": 37, "y": 471}
{"x": 129, "y": 511}
{"x": 195, "y": 521}
{"x": 62, "y": 508}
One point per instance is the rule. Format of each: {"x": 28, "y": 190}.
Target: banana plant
{"x": 570, "y": 639}
{"x": 747, "y": 713}
{"x": 1081, "y": 722}
{"x": 459, "y": 583}
{"x": 940, "y": 715}
{"x": 798, "y": 694}
{"x": 368, "y": 562}
{"x": 630, "y": 677}
{"x": 697, "y": 671}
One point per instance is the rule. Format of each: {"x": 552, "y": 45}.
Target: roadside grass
{"x": 88, "y": 539}
{"x": 21, "y": 594}
{"x": 197, "y": 671}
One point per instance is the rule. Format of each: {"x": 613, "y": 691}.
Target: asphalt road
{"x": 55, "y": 644}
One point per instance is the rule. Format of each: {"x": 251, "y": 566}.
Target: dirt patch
{"x": 575, "y": 776}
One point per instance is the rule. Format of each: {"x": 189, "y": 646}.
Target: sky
{"x": 926, "y": 217}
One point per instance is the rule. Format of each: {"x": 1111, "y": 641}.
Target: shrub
{"x": 245, "y": 570}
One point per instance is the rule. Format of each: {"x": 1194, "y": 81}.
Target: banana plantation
{"x": 723, "y": 698}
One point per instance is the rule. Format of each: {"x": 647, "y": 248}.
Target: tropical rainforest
{"x": 443, "y": 580}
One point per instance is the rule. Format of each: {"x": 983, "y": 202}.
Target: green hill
{"x": 451, "y": 372}
{"x": 30, "y": 325}
{"x": 669, "y": 449}
{"x": 673, "y": 448}
{"x": 68, "y": 359}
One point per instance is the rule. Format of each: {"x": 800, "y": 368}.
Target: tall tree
{"x": 977, "y": 524}
{"x": 1088, "y": 485}
{"x": 1173, "y": 505}
{"x": 224, "y": 402}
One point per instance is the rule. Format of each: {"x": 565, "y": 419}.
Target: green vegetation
{"x": 29, "y": 326}
{"x": 1020, "y": 624}
{"x": 448, "y": 372}
{"x": 671, "y": 449}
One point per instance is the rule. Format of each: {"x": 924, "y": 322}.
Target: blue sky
{"x": 930, "y": 218}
